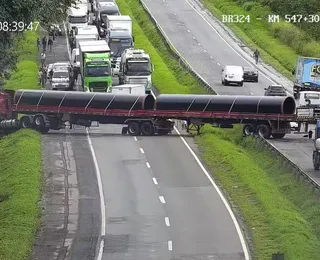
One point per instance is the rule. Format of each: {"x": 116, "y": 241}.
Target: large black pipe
{"x": 210, "y": 103}
{"x": 83, "y": 99}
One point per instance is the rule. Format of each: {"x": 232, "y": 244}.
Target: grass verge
{"x": 275, "y": 206}
{"x": 20, "y": 168}
{"x": 280, "y": 211}
{"x": 280, "y": 44}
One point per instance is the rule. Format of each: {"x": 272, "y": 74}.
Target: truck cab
{"x": 104, "y": 9}
{"x": 118, "y": 40}
{"x": 95, "y": 67}
{"x": 136, "y": 68}
{"x": 77, "y": 17}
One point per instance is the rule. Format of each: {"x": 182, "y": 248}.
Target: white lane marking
{"x": 141, "y": 150}
{"x": 194, "y": 37}
{"x": 135, "y": 138}
{"x": 199, "y": 43}
{"x": 188, "y": 30}
{"x": 148, "y": 165}
{"x": 170, "y": 245}
{"x": 218, "y": 63}
{"x": 251, "y": 93}
{"x": 167, "y": 221}
{"x": 211, "y": 57}
{"x": 161, "y": 198}
{"x": 250, "y": 63}
{"x": 155, "y": 181}
{"x": 225, "y": 202}
{"x": 102, "y": 203}
{"x": 205, "y": 50}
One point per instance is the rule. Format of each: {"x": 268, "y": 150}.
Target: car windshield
{"x": 61, "y": 74}
{"x": 78, "y": 19}
{"x": 98, "y": 71}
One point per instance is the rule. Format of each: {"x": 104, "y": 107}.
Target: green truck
{"x": 95, "y": 67}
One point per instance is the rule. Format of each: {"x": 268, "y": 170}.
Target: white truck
{"x": 88, "y": 30}
{"x": 136, "y": 68}
{"x": 119, "y": 37}
{"x": 128, "y": 89}
{"x": 77, "y": 17}
{"x": 84, "y": 38}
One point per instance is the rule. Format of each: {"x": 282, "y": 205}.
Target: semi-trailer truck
{"x": 95, "y": 67}
{"x": 307, "y": 75}
{"x": 136, "y": 68}
{"x": 146, "y": 115}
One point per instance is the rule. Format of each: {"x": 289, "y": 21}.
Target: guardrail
{"x": 176, "y": 53}
{"x": 286, "y": 162}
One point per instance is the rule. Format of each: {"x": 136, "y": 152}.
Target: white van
{"x": 75, "y": 58}
{"x": 232, "y": 74}
{"x": 77, "y": 17}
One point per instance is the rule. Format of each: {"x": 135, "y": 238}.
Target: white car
{"x": 60, "y": 79}
{"x": 232, "y": 74}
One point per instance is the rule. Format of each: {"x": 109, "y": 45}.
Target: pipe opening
{"x": 289, "y": 106}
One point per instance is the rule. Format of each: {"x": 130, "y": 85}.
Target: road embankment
{"x": 273, "y": 206}
{"x": 20, "y": 167}
{"x": 280, "y": 42}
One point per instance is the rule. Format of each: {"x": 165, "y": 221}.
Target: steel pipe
{"x": 49, "y": 98}
{"x": 224, "y": 103}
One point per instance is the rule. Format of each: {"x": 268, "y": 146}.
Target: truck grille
{"x": 98, "y": 86}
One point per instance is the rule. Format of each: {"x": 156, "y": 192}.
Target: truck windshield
{"x": 78, "y": 19}
{"x": 138, "y": 69}
{"x": 117, "y": 47}
{"x": 98, "y": 71}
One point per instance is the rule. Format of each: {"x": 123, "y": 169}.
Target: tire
{"x": 133, "y": 129}
{"x": 264, "y": 131}
{"x": 25, "y": 122}
{"x": 248, "y": 130}
{"x": 278, "y": 135}
{"x": 241, "y": 84}
{"x": 38, "y": 121}
{"x": 147, "y": 129}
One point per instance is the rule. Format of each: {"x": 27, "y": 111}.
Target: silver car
{"x": 60, "y": 80}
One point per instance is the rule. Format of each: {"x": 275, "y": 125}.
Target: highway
{"x": 207, "y": 49}
{"x": 159, "y": 203}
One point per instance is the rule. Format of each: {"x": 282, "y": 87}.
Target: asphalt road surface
{"x": 139, "y": 210}
{"x": 71, "y": 216}
{"x": 198, "y": 41}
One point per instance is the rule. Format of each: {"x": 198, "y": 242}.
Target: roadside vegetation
{"x": 280, "y": 43}
{"x": 20, "y": 167}
{"x": 279, "y": 213}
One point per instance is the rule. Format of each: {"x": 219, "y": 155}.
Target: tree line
{"x": 43, "y": 11}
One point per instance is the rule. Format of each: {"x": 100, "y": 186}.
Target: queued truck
{"x": 136, "y": 68}
{"x": 118, "y": 30}
{"x": 148, "y": 115}
{"x": 95, "y": 67}
{"x": 307, "y": 75}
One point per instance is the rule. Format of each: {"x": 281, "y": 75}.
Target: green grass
{"x": 26, "y": 76}
{"x": 280, "y": 44}
{"x": 169, "y": 77}
{"x": 280, "y": 213}
{"x": 20, "y": 168}
{"x": 20, "y": 179}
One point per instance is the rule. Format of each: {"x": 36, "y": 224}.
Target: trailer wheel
{"x": 264, "y": 131}
{"x": 248, "y": 130}
{"x": 278, "y": 135}
{"x": 147, "y": 128}
{"x": 25, "y": 122}
{"x": 133, "y": 128}
{"x": 38, "y": 121}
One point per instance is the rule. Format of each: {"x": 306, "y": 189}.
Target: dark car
{"x": 275, "y": 90}
{"x": 250, "y": 74}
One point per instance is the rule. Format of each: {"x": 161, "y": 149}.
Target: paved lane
{"x": 135, "y": 216}
{"x": 200, "y": 224}
{"x": 199, "y": 43}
